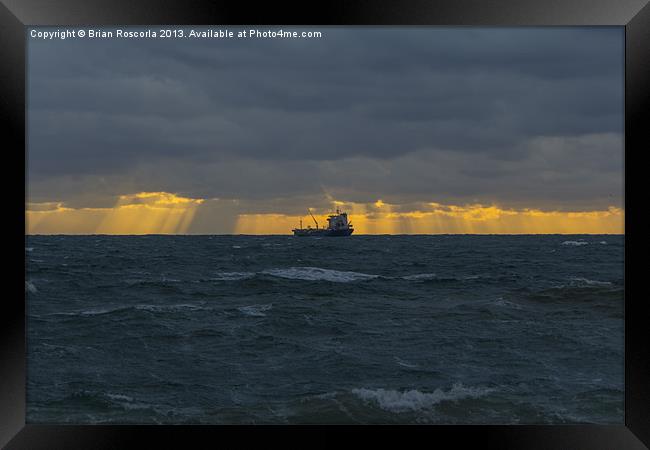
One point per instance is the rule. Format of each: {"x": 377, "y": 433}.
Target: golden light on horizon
{"x": 168, "y": 213}
{"x": 269, "y": 223}
{"x": 381, "y": 218}
{"x": 140, "y": 213}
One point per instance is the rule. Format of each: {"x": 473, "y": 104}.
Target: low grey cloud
{"x": 522, "y": 117}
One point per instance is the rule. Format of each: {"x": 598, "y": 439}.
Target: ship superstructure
{"x": 337, "y": 225}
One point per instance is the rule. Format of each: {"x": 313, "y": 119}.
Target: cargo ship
{"x": 337, "y": 225}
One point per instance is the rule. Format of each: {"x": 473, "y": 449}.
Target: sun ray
{"x": 139, "y": 213}
{"x": 168, "y": 213}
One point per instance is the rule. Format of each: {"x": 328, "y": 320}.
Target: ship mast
{"x": 312, "y": 216}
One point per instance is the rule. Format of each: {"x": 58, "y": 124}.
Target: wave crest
{"x": 414, "y": 400}
{"x": 318, "y": 274}
{"x": 29, "y": 287}
{"x": 421, "y": 277}
{"x": 117, "y": 309}
{"x": 586, "y": 282}
{"x": 255, "y": 310}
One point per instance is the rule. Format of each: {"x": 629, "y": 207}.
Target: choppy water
{"x": 366, "y": 329}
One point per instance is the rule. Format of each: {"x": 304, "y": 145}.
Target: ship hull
{"x": 319, "y": 233}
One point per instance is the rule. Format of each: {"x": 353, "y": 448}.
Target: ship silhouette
{"x": 337, "y": 225}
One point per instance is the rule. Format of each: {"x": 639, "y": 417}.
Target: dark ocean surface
{"x": 366, "y": 329}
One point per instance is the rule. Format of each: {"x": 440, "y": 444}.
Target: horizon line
{"x": 351, "y": 236}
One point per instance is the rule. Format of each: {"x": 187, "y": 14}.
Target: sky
{"x": 408, "y": 129}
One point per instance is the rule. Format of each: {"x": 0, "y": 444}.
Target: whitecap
{"x": 413, "y": 400}
{"x": 149, "y": 308}
{"x": 318, "y": 274}
{"x": 587, "y": 282}
{"x": 92, "y": 312}
{"x": 29, "y": 287}
{"x": 236, "y": 246}
{"x": 232, "y": 276}
{"x": 126, "y": 402}
{"x": 406, "y": 364}
{"x": 29, "y": 249}
{"x": 421, "y": 277}
{"x": 575, "y": 243}
{"x": 119, "y": 397}
{"x": 255, "y": 310}
{"x": 169, "y": 280}
{"x": 131, "y": 406}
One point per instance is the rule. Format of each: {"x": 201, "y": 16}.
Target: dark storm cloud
{"x": 518, "y": 116}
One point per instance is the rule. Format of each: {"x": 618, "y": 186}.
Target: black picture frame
{"x": 16, "y": 15}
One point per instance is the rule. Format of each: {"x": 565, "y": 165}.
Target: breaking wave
{"x": 421, "y": 277}
{"x": 149, "y": 308}
{"x": 318, "y": 274}
{"x": 29, "y": 287}
{"x": 575, "y": 243}
{"x": 586, "y": 282}
{"x": 119, "y": 397}
{"x": 255, "y": 310}
{"x": 403, "y": 363}
{"x": 414, "y": 400}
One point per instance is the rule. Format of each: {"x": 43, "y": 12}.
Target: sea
{"x": 393, "y": 329}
